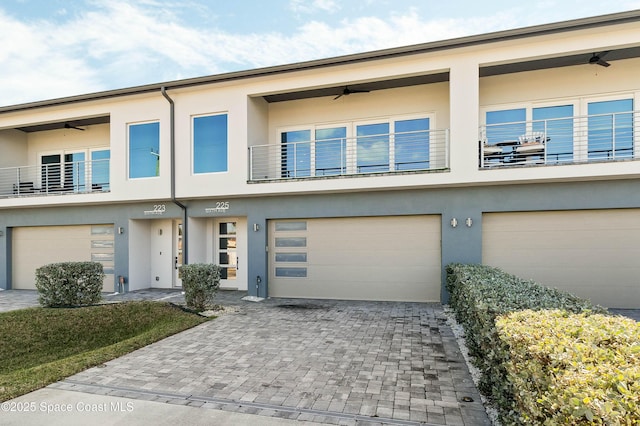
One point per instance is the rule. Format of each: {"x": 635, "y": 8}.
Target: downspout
{"x": 172, "y": 130}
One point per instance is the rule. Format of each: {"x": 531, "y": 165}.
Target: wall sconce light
{"x": 468, "y": 222}
{"x": 256, "y": 227}
{"x": 159, "y": 231}
{"x": 454, "y": 222}
{"x": 120, "y": 230}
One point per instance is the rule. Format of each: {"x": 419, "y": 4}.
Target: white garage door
{"x": 36, "y": 246}
{"x": 366, "y": 258}
{"x": 593, "y": 254}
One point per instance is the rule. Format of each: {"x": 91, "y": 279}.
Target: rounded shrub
{"x": 69, "y": 283}
{"x": 200, "y": 281}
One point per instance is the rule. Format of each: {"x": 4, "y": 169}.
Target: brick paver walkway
{"x": 339, "y": 362}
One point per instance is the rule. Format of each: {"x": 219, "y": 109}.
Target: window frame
{"x": 351, "y": 126}
{"x": 158, "y": 154}
{"x": 193, "y": 143}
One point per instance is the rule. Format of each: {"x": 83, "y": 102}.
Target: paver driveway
{"x": 327, "y": 361}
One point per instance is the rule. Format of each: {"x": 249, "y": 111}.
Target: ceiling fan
{"x": 346, "y": 91}
{"x": 597, "y": 59}
{"x": 69, "y": 126}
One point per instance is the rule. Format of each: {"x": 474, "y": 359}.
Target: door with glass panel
{"x": 226, "y": 251}
{"x": 177, "y": 253}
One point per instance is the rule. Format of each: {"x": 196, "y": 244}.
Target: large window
{"x": 359, "y": 147}
{"x": 373, "y": 147}
{"x": 296, "y": 153}
{"x": 100, "y": 169}
{"x": 506, "y": 125}
{"x": 412, "y": 144}
{"x": 331, "y": 151}
{"x": 611, "y": 129}
{"x": 78, "y": 171}
{"x": 556, "y": 122}
{"x": 210, "y": 144}
{"x": 74, "y": 171}
{"x": 144, "y": 150}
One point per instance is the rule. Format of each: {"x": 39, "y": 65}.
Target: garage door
{"x": 36, "y": 246}
{"x": 592, "y": 254}
{"x": 372, "y": 258}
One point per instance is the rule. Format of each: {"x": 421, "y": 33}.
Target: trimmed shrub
{"x": 479, "y": 295}
{"x": 573, "y": 369}
{"x": 69, "y": 283}
{"x": 200, "y": 282}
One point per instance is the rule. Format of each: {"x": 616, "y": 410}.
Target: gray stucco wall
{"x": 459, "y": 244}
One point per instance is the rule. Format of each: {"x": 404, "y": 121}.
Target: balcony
{"x": 394, "y": 153}
{"x": 565, "y": 140}
{"x": 77, "y": 177}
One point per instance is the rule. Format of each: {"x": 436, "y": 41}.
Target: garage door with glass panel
{"x": 35, "y": 246}
{"x": 364, "y": 258}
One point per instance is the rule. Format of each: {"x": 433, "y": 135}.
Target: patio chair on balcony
{"x": 23, "y": 188}
{"x": 491, "y": 154}
{"x": 531, "y": 147}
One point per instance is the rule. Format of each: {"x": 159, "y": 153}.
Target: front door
{"x": 226, "y": 251}
{"x": 177, "y": 252}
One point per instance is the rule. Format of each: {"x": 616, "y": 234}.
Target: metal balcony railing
{"x": 57, "y": 178}
{"x": 579, "y": 139}
{"x": 385, "y": 153}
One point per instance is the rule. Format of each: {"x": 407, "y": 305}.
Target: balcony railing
{"x": 57, "y": 178}
{"x": 580, "y": 139}
{"x": 423, "y": 150}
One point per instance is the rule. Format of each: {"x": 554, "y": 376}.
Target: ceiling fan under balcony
{"x": 346, "y": 91}
{"x": 598, "y": 59}
{"x": 69, "y": 126}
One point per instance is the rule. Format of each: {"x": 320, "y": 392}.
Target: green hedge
{"x": 200, "y": 281}
{"x": 573, "y": 369}
{"x": 479, "y": 295}
{"x": 69, "y": 283}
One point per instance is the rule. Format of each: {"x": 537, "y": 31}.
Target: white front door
{"x": 226, "y": 251}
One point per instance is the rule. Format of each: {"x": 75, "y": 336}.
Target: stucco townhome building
{"x": 354, "y": 177}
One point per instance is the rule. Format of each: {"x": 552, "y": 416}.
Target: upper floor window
{"x": 353, "y": 148}
{"x": 144, "y": 150}
{"x": 610, "y": 128}
{"x": 210, "y": 143}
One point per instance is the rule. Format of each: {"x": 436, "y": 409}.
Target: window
{"x": 290, "y": 252}
{"x": 395, "y": 144}
{"x": 331, "y": 151}
{"x": 74, "y": 171}
{"x": 100, "y": 169}
{"x": 296, "y": 153}
{"x": 506, "y": 125}
{"x": 210, "y": 144}
{"x": 610, "y": 129}
{"x": 411, "y": 144}
{"x": 373, "y": 147}
{"x": 556, "y": 122}
{"x": 144, "y": 150}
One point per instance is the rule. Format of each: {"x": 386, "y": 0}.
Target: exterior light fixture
{"x": 454, "y": 222}
{"x": 468, "y": 222}
{"x": 120, "y": 230}
{"x": 256, "y": 227}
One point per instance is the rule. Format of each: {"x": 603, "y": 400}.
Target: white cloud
{"x": 119, "y": 44}
{"x": 306, "y": 6}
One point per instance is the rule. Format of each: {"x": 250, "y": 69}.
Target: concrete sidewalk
{"x": 55, "y": 407}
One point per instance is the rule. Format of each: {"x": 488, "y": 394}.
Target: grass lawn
{"x": 39, "y": 346}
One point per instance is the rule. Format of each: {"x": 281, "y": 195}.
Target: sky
{"x": 58, "y": 48}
